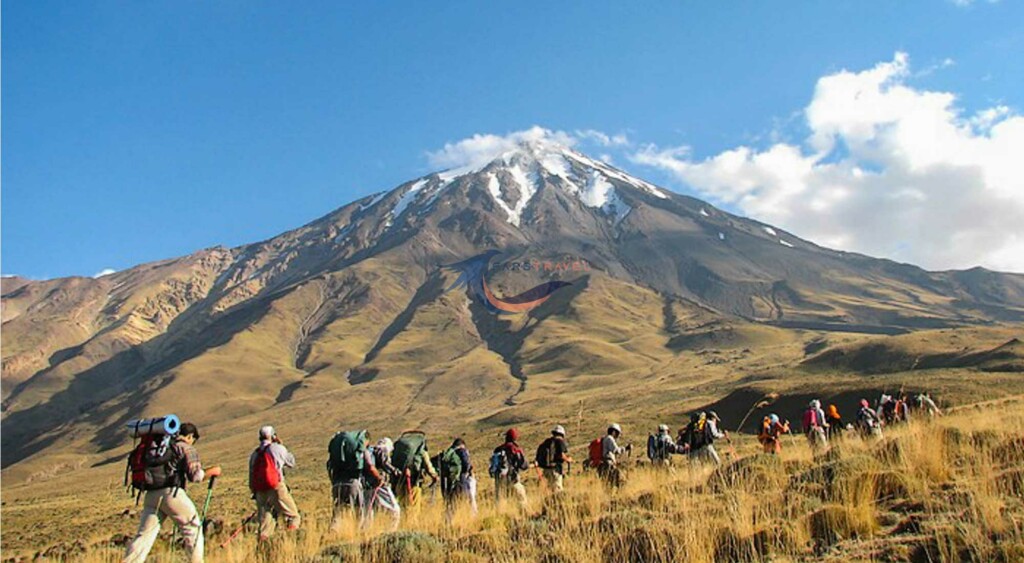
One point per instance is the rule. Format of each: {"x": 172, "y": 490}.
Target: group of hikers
{"x": 821, "y": 427}
{"x": 390, "y": 476}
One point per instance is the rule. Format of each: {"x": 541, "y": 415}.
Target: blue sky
{"x": 139, "y": 131}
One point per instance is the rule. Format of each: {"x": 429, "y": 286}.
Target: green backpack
{"x": 451, "y": 465}
{"x": 345, "y": 455}
{"x": 408, "y": 451}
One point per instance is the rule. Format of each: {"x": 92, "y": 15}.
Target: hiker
{"x": 167, "y": 498}
{"x": 456, "y": 472}
{"x": 835, "y": 422}
{"x": 266, "y": 481}
{"x": 412, "y": 460}
{"x": 700, "y": 435}
{"x": 507, "y": 461}
{"x": 382, "y": 496}
{"x": 771, "y": 434}
{"x": 348, "y": 462}
{"x": 610, "y": 450}
{"x": 886, "y": 410}
{"x": 925, "y": 403}
{"x": 867, "y": 421}
{"x": 814, "y": 426}
{"x": 903, "y": 409}
{"x": 553, "y": 459}
{"x": 661, "y": 446}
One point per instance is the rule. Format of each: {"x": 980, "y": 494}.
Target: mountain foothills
{"x": 347, "y": 320}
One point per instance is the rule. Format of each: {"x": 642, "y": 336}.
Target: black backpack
{"x": 546, "y": 454}
{"x": 152, "y": 464}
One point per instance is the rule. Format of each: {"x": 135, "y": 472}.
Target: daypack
{"x": 264, "y": 475}
{"x": 657, "y": 448}
{"x": 811, "y": 419}
{"x": 152, "y": 464}
{"x": 596, "y": 452}
{"x": 408, "y": 452}
{"x": 546, "y": 454}
{"x": 696, "y": 434}
{"x": 500, "y": 464}
{"x": 345, "y": 455}
{"x": 450, "y": 465}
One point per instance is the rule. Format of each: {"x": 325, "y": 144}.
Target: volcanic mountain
{"x": 354, "y": 305}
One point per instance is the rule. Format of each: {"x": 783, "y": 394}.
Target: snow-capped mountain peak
{"x": 514, "y": 177}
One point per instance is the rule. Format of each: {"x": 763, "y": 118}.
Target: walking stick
{"x": 206, "y": 505}
{"x": 238, "y": 530}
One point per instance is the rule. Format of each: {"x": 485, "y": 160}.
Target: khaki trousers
{"x": 273, "y": 502}
{"x": 160, "y": 504}
{"x": 554, "y": 480}
{"x": 504, "y": 487}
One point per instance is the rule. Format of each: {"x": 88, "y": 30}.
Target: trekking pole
{"x": 206, "y": 505}
{"x": 238, "y": 530}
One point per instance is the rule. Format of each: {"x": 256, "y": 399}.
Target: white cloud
{"x": 104, "y": 272}
{"x": 887, "y": 169}
{"x": 480, "y": 149}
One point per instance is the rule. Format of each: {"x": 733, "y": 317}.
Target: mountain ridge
{"x": 356, "y": 297}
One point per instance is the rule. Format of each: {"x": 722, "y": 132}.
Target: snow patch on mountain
{"x": 784, "y": 243}
{"x": 600, "y": 193}
{"x": 770, "y": 231}
{"x": 704, "y": 212}
{"x": 376, "y": 199}
{"x": 494, "y": 186}
{"x": 404, "y": 201}
{"x": 613, "y": 173}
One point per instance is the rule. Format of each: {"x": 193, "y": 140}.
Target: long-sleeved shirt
{"x": 715, "y": 433}
{"x": 610, "y": 449}
{"x": 467, "y": 465}
{"x": 188, "y": 463}
{"x": 664, "y": 447}
{"x": 280, "y": 454}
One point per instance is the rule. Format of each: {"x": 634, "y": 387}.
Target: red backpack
{"x": 811, "y": 419}
{"x": 264, "y": 475}
{"x": 596, "y": 452}
{"x": 152, "y": 464}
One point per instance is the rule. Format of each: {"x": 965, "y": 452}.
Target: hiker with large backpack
{"x": 507, "y": 462}
{"x": 771, "y": 433}
{"x": 609, "y": 468}
{"x": 660, "y": 447}
{"x": 814, "y": 426}
{"x": 412, "y": 460}
{"x": 266, "y": 481}
{"x": 702, "y": 438}
{"x": 456, "y": 473}
{"x": 553, "y": 459}
{"x": 348, "y": 460}
{"x": 867, "y": 421}
{"x": 160, "y": 465}
{"x": 382, "y": 496}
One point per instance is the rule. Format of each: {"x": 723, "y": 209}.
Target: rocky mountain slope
{"x": 355, "y": 302}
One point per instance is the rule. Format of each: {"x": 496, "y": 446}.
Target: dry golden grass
{"x": 943, "y": 490}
